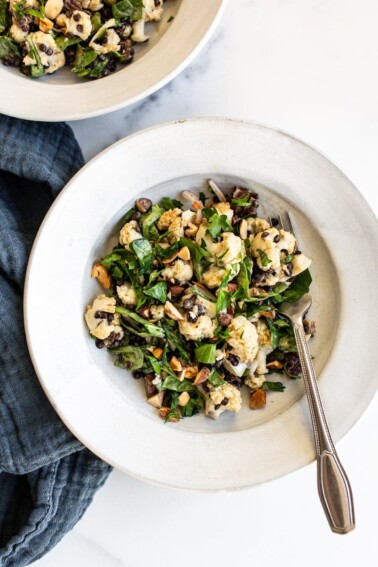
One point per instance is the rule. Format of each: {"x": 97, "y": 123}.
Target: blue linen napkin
{"x": 47, "y": 478}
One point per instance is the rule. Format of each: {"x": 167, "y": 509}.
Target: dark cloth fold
{"x": 47, "y": 478}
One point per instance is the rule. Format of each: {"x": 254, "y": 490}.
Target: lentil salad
{"x": 92, "y": 37}
{"x": 191, "y": 301}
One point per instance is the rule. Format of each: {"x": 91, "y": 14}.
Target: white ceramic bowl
{"x": 103, "y": 406}
{"x": 63, "y": 96}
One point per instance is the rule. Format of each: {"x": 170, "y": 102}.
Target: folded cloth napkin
{"x": 47, "y": 478}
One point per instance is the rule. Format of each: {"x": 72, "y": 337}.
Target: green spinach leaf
{"x": 173, "y": 383}
{"x": 273, "y": 386}
{"x": 128, "y": 9}
{"x": 264, "y": 258}
{"x": 158, "y": 291}
{"x": 206, "y": 353}
{"x": 152, "y": 329}
{"x": 143, "y": 251}
{"x": 167, "y": 203}
{"x": 8, "y": 47}
{"x": 215, "y": 378}
{"x": 129, "y": 357}
{"x": 299, "y": 287}
{"x": 148, "y": 220}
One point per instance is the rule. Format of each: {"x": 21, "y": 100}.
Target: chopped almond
{"x": 258, "y": 399}
{"x": 191, "y": 372}
{"x": 243, "y": 229}
{"x": 156, "y": 400}
{"x": 172, "y": 312}
{"x": 275, "y": 364}
{"x": 197, "y": 206}
{"x": 164, "y": 412}
{"x": 158, "y": 353}
{"x": 202, "y": 376}
{"x": 267, "y": 314}
{"x": 169, "y": 260}
{"x": 102, "y": 275}
{"x": 175, "y": 364}
{"x": 184, "y": 253}
{"x": 183, "y": 399}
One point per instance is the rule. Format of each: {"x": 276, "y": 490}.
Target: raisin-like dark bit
{"x": 224, "y": 319}
{"x": 189, "y": 302}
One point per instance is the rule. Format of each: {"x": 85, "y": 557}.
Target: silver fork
{"x": 333, "y": 485}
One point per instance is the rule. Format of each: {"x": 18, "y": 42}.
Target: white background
{"x": 308, "y": 67}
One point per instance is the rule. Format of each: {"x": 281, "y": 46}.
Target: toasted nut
{"x": 267, "y": 314}
{"x": 164, "y": 412}
{"x": 155, "y": 262}
{"x": 275, "y": 364}
{"x": 184, "y": 253}
{"x": 258, "y": 399}
{"x": 197, "y": 206}
{"x": 257, "y": 292}
{"x": 144, "y": 312}
{"x": 172, "y": 312}
{"x": 192, "y": 230}
{"x": 232, "y": 287}
{"x": 191, "y": 372}
{"x": 158, "y": 353}
{"x": 183, "y": 399}
{"x": 143, "y": 204}
{"x": 169, "y": 260}
{"x": 163, "y": 245}
{"x": 45, "y": 25}
{"x": 156, "y": 400}
{"x": 102, "y": 275}
{"x": 243, "y": 229}
{"x": 176, "y": 290}
{"x": 189, "y": 196}
{"x": 202, "y": 376}
{"x": 181, "y": 375}
{"x": 175, "y": 364}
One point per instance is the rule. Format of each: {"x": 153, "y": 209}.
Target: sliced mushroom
{"x": 143, "y": 205}
{"x": 172, "y": 312}
{"x": 102, "y": 275}
{"x": 217, "y": 191}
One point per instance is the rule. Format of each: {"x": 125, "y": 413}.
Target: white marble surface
{"x": 308, "y": 67}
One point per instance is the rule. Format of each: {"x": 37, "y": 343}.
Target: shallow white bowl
{"x": 63, "y": 96}
{"x": 103, "y": 406}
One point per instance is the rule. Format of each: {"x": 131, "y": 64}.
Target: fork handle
{"x": 333, "y": 485}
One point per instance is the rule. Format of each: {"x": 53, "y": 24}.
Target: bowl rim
{"x": 306, "y": 460}
{"x": 48, "y": 113}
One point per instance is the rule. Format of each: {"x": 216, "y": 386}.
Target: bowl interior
{"x": 155, "y": 30}
{"x": 325, "y": 309}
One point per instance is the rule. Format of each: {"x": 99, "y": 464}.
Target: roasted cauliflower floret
{"x": 129, "y": 233}
{"x": 213, "y": 276}
{"x": 243, "y": 339}
{"x": 220, "y": 399}
{"x": 127, "y": 294}
{"x": 52, "y": 58}
{"x": 229, "y": 250}
{"x": 153, "y": 10}
{"x": 256, "y": 225}
{"x": 99, "y": 327}
{"x": 79, "y": 24}
{"x": 224, "y": 209}
{"x": 254, "y": 382}
{"x": 171, "y": 220}
{"x": 179, "y": 271}
{"x": 267, "y": 246}
{"x": 157, "y": 312}
{"x": 203, "y": 328}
